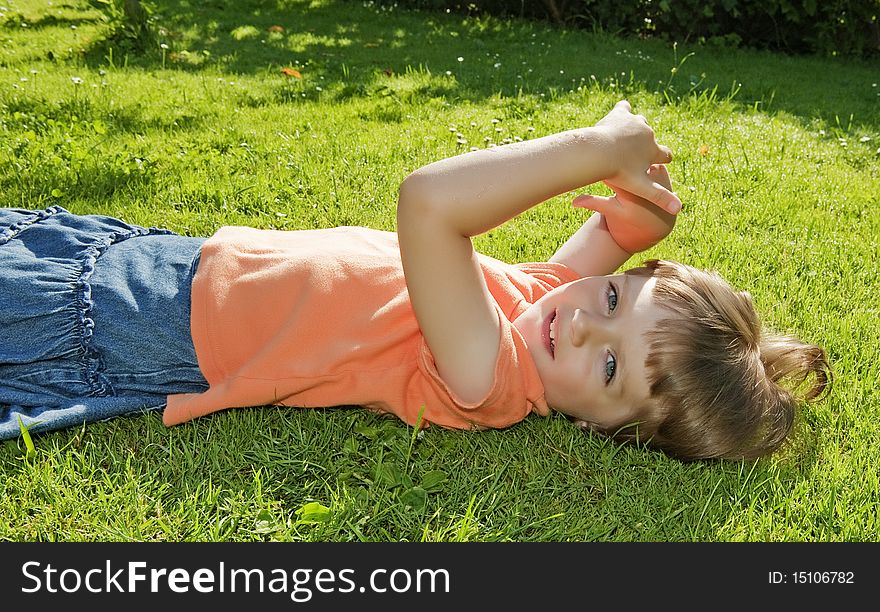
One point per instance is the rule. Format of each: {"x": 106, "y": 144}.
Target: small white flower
{"x": 163, "y": 46}
{"x": 461, "y": 59}
{"x": 76, "y": 80}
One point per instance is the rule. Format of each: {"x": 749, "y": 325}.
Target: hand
{"x": 632, "y": 150}
{"x": 634, "y": 223}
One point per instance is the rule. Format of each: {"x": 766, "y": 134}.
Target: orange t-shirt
{"x": 320, "y": 318}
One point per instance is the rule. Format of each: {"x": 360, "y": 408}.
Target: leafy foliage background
{"x": 849, "y": 28}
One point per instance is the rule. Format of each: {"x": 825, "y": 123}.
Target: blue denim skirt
{"x": 94, "y": 319}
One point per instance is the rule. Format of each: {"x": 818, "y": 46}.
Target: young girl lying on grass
{"x": 100, "y": 318}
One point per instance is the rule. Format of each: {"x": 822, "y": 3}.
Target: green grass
{"x": 209, "y": 132}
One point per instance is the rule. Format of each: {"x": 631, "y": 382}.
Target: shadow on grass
{"x": 345, "y": 45}
{"x": 52, "y": 21}
{"x": 36, "y": 113}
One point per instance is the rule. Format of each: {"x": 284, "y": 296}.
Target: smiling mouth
{"x": 550, "y": 334}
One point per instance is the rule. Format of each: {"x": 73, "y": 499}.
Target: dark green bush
{"x": 849, "y": 28}
{"x": 130, "y": 23}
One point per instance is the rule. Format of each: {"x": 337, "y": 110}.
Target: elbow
{"x": 415, "y": 201}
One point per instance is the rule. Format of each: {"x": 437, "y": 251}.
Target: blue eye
{"x": 610, "y": 367}
{"x": 612, "y": 297}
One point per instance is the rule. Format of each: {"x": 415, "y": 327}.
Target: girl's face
{"x": 587, "y": 339}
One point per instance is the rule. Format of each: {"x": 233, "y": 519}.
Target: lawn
{"x": 291, "y": 114}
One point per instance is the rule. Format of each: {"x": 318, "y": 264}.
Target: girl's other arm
{"x": 591, "y": 250}
{"x": 623, "y": 225}
{"x": 441, "y": 206}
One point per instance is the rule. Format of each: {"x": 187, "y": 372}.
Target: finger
{"x": 660, "y": 174}
{"x": 625, "y": 105}
{"x": 665, "y": 199}
{"x": 600, "y": 204}
{"x": 659, "y": 195}
{"x": 642, "y": 117}
{"x": 664, "y": 156}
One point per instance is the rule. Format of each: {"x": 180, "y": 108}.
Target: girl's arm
{"x": 624, "y": 225}
{"x": 442, "y": 205}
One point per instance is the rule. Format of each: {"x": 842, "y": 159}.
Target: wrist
{"x": 621, "y": 244}
{"x": 599, "y": 153}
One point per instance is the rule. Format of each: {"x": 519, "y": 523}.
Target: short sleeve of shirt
{"x": 516, "y": 391}
{"x": 549, "y": 274}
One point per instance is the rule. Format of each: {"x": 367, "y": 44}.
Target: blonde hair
{"x": 720, "y": 386}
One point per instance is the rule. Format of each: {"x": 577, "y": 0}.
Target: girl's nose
{"x": 586, "y": 326}
{"x": 580, "y": 327}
